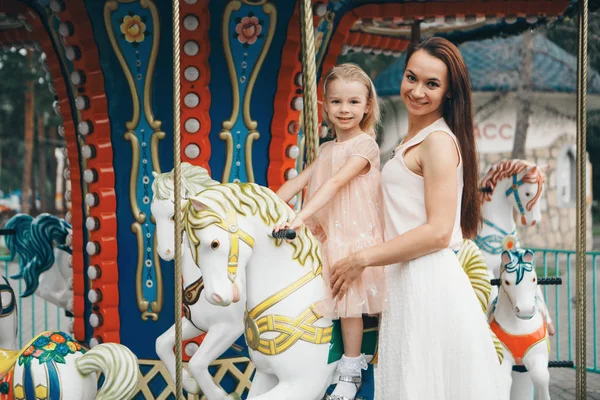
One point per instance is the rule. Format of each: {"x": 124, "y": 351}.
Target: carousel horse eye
{"x": 172, "y": 217}
{"x": 215, "y": 244}
{"x": 527, "y": 194}
{"x": 533, "y": 280}
{"x": 507, "y": 283}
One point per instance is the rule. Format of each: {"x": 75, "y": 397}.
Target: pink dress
{"x": 352, "y": 221}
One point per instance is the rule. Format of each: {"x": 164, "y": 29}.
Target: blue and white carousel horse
{"x": 44, "y": 257}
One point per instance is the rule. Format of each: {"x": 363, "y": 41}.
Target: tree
{"x": 565, "y": 34}
{"x": 14, "y": 73}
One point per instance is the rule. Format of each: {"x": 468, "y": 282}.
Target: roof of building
{"x": 494, "y": 65}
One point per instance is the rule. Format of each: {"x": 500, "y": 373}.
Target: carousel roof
{"x": 494, "y": 65}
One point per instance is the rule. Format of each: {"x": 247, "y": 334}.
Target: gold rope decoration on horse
{"x": 580, "y": 342}
{"x": 177, "y": 194}
{"x": 309, "y": 82}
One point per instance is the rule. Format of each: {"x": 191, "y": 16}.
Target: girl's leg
{"x": 352, "y": 362}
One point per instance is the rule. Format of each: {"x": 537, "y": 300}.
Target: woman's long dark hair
{"x": 457, "y": 111}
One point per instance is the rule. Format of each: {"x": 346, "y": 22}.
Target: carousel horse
{"x": 54, "y": 366}
{"x": 509, "y": 185}
{"x": 222, "y": 325}
{"x": 229, "y": 231}
{"x": 9, "y": 319}
{"x": 44, "y": 257}
{"x": 516, "y": 320}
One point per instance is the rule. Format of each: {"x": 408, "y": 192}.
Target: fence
{"x": 560, "y": 302}
{"x": 35, "y": 314}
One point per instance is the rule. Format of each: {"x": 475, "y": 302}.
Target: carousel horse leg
{"x": 164, "y": 349}
{"x": 538, "y": 371}
{"x": 218, "y": 339}
{"x": 262, "y": 383}
{"x": 521, "y": 387}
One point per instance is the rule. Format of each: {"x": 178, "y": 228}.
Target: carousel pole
{"x": 309, "y": 81}
{"x": 177, "y": 194}
{"x": 580, "y": 343}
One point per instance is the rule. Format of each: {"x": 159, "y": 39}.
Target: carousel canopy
{"x": 494, "y": 66}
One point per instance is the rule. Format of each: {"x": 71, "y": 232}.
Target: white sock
{"x": 349, "y": 366}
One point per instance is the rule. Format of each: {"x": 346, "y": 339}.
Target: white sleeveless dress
{"x": 434, "y": 342}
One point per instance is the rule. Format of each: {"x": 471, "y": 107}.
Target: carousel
{"x": 181, "y": 119}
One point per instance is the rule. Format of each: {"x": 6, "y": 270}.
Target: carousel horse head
{"x": 226, "y": 224}
{"x": 519, "y": 182}
{"x": 194, "y": 179}
{"x": 34, "y": 242}
{"x": 518, "y": 280}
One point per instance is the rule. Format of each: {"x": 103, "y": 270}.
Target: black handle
{"x": 553, "y": 280}
{"x": 288, "y": 234}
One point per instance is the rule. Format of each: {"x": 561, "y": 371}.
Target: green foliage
{"x": 565, "y": 35}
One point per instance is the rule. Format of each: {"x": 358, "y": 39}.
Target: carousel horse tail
{"x": 474, "y": 265}
{"x": 119, "y": 366}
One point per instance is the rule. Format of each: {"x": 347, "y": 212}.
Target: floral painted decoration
{"x": 133, "y": 28}
{"x": 248, "y": 29}
{"x": 50, "y": 346}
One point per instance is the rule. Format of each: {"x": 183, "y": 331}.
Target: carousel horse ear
{"x": 528, "y": 256}
{"x": 154, "y": 174}
{"x": 197, "y": 204}
{"x": 506, "y": 257}
{"x": 544, "y": 168}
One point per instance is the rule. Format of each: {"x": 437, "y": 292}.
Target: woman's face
{"x": 425, "y": 84}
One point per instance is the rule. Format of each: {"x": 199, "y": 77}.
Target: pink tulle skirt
{"x": 366, "y": 295}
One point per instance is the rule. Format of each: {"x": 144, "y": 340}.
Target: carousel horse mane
{"x": 250, "y": 197}
{"x": 20, "y": 242}
{"x": 45, "y": 232}
{"x": 194, "y": 179}
{"x": 516, "y": 263}
{"x": 507, "y": 168}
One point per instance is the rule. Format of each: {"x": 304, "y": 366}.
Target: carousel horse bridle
{"x": 5, "y": 311}
{"x": 494, "y": 244}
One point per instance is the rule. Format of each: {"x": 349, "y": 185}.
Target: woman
{"x": 434, "y": 342}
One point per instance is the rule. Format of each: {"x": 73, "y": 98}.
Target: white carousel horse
{"x": 44, "y": 257}
{"x": 516, "y": 320}
{"x": 9, "y": 321}
{"x": 229, "y": 229}
{"x": 222, "y": 325}
{"x": 54, "y": 366}
{"x": 509, "y": 185}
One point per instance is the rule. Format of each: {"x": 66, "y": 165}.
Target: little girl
{"x": 344, "y": 208}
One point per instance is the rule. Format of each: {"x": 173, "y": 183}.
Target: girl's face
{"x": 346, "y": 104}
{"x": 425, "y": 84}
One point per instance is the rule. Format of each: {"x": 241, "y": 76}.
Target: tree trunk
{"x": 26, "y": 194}
{"x": 52, "y": 136}
{"x": 523, "y": 97}
{"x": 41, "y": 131}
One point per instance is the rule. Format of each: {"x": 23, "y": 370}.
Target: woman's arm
{"x": 352, "y": 168}
{"x": 293, "y": 186}
{"x": 439, "y": 158}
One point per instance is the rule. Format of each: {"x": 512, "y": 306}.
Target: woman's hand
{"x": 346, "y": 271}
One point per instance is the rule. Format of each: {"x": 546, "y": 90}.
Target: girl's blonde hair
{"x": 353, "y": 73}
